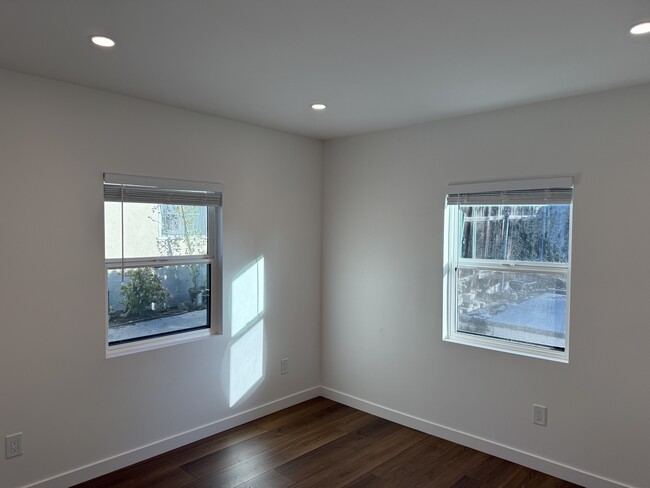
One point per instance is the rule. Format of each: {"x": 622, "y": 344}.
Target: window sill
{"x": 156, "y": 343}
{"x": 499, "y": 345}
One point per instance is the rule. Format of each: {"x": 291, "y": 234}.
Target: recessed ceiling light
{"x": 102, "y": 41}
{"x": 642, "y": 28}
{"x": 319, "y": 107}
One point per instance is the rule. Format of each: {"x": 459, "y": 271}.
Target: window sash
{"x": 213, "y": 223}
{"x": 169, "y": 333}
{"x": 518, "y": 266}
{"x": 160, "y": 335}
{"x": 125, "y": 263}
{"x": 532, "y": 325}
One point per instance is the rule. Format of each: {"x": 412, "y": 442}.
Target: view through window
{"x": 507, "y": 277}
{"x": 160, "y": 258}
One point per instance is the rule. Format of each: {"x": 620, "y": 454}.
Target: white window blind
{"x": 549, "y": 191}
{"x": 135, "y": 189}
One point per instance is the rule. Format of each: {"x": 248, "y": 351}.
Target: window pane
{"x": 152, "y": 230}
{"x": 151, "y": 302}
{"x": 112, "y": 230}
{"x": 179, "y": 220}
{"x": 519, "y": 306}
{"x": 537, "y": 233}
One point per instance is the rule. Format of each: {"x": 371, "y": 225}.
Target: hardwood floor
{"x": 321, "y": 443}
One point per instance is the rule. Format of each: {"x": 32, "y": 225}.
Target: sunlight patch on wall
{"x": 247, "y": 347}
{"x": 247, "y": 296}
{"x": 246, "y": 362}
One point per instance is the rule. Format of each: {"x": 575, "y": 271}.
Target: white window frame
{"x": 213, "y": 257}
{"x": 452, "y": 262}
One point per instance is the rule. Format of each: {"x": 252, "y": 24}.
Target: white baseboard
{"x": 529, "y": 460}
{"x": 523, "y": 458}
{"x": 122, "y": 460}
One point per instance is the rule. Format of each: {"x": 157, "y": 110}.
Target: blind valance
{"x": 141, "y": 189}
{"x": 549, "y": 191}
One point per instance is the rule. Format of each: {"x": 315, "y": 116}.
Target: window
{"x": 163, "y": 260}
{"x": 507, "y": 266}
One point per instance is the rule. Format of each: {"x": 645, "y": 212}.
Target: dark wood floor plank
{"x": 270, "y": 479}
{"x": 176, "y": 457}
{"x": 448, "y": 468}
{"x": 567, "y": 484}
{"x": 524, "y": 478}
{"x": 375, "y": 449}
{"x": 254, "y": 466}
{"x": 413, "y": 461}
{"x": 445, "y": 475}
{"x": 495, "y": 471}
{"x": 294, "y": 413}
{"x": 167, "y": 477}
{"x": 529, "y": 478}
{"x": 370, "y": 481}
{"x": 248, "y": 459}
{"x": 355, "y": 420}
{"x": 335, "y": 415}
{"x": 338, "y": 450}
{"x": 467, "y": 482}
{"x": 301, "y": 428}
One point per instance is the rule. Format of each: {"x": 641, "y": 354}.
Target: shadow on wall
{"x": 247, "y": 351}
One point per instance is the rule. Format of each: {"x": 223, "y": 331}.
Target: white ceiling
{"x": 377, "y": 64}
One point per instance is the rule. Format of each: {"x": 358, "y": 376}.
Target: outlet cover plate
{"x": 284, "y": 366}
{"x": 14, "y": 445}
{"x": 539, "y": 415}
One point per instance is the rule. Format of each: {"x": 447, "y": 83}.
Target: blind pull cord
{"x": 122, "y": 223}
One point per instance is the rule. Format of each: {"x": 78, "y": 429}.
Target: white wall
{"x": 382, "y": 243}
{"x": 382, "y": 285}
{"x": 74, "y": 406}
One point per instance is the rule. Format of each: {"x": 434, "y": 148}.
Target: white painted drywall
{"x": 382, "y": 279}
{"x": 381, "y": 340}
{"x": 74, "y": 406}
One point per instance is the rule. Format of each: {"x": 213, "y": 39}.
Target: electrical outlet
{"x": 284, "y": 366}
{"x": 539, "y": 415}
{"x": 14, "y": 445}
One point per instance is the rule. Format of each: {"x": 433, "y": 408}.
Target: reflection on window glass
{"x": 537, "y": 233}
{"x": 154, "y": 230}
{"x": 179, "y": 220}
{"x": 519, "y": 306}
